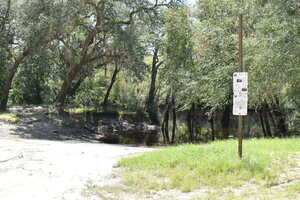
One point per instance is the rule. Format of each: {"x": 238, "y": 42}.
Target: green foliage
{"x": 271, "y": 50}
{"x": 91, "y": 91}
{"x": 6, "y": 35}
{"x": 273, "y": 55}
{"x": 71, "y": 48}
{"x": 127, "y": 93}
{"x": 214, "y": 53}
{"x": 30, "y": 86}
{"x": 178, "y": 49}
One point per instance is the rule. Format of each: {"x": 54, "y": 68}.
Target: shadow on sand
{"x": 39, "y": 124}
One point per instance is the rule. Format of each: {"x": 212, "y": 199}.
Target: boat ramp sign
{"x": 240, "y": 93}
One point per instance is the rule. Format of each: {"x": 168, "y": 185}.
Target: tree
{"x": 30, "y": 32}
{"x": 179, "y": 60}
{"x": 100, "y": 22}
{"x": 269, "y": 43}
{"x": 154, "y": 33}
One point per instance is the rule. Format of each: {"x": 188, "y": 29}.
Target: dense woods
{"x": 160, "y": 58}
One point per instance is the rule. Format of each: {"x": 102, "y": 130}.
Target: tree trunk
{"x": 174, "y": 119}
{"x": 61, "y": 97}
{"x": 282, "y": 125}
{"x": 37, "y": 98}
{"x": 165, "y": 123}
{"x": 262, "y": 122}
{"x": 225, "y": 122}
{"x": 280, "y": 114}
{"x": 76, "y": 68}
{"x": 190, "y": 123}
{"x": 72, "y": 91}
{"x": 268, "y": 128}
{"x": 7, "y": 86}
{"x": 212, "y": 126}
{"x": 151, "y": 107}
{"x": 266, "y": 119}
{"x": 112, "y": 82}
{"x": 11, "y": 74}
{"x": 269, "y": 114}
{"x": 163, "y": 132}
{"x": 167, "y": 117}
{"x": 7, "y": 14}
{"x": 76, "y": 86}
{"x": 273, "y": 122}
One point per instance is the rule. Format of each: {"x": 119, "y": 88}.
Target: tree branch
{"x": 134, "y": 12}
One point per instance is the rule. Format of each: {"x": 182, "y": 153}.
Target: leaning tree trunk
{"x": 6, "y": 87}
{"x": 11, "y": 73}
{"x": 112, "y": 82}
{"x": 10, "y": 76}
{"x": 72, "y": 91}
{"x": 61, "y": 97}
{"x": 76, "y": 68}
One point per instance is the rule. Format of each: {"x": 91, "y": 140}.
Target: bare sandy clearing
{"x": 41, "y": 168}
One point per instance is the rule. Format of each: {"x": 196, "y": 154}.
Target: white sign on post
{"x": 240, "y": 93}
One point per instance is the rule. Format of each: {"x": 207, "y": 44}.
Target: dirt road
{"x": 35, "y": 169}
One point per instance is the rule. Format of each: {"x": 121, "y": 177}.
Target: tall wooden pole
{"x": 241, "y": 62}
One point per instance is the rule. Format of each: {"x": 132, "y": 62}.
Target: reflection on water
{"x": 205, "y": 128}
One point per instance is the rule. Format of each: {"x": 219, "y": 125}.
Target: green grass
{"x": 9, "y": 117}
{"x": 216, "y": 165}
{"x": 80, "y": 110}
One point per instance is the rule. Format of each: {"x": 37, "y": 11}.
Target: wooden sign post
{"x": 240, "y": 91}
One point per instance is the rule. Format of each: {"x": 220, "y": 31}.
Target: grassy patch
{"x": 80, "y": 110}
{"x": 216, "y": 165}
{"x": 9, "y": 117}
